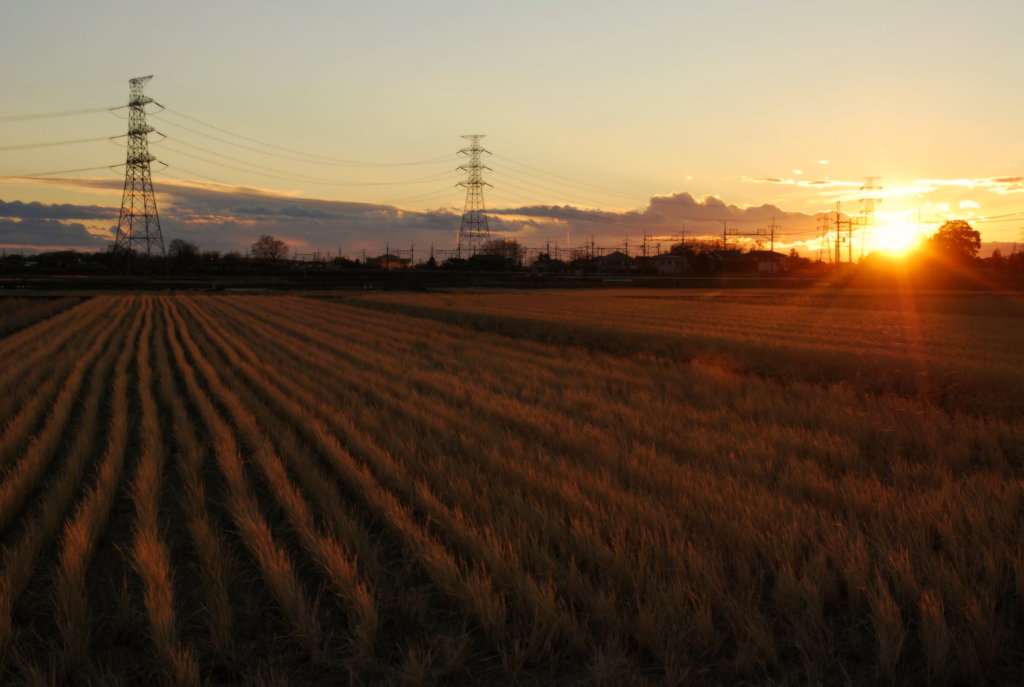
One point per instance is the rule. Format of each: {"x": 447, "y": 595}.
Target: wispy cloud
{"x": 804, "y": 183}
{"x": 1004, "y": 184}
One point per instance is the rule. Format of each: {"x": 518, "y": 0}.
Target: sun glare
{"x": 896, "y": 239}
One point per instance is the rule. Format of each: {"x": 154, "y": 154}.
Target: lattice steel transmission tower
{"x": 868, "y": 206}
{"x": 473, "y": 228}
{"x": 138, "y": 225}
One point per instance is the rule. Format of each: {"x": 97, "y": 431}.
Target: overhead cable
{"x": 567, "y": 179}
{"x": 305, "y": 154}
{"x": 51, "y": 144}
{"x": 292, "y": 177}
{"x": 49, "y": 115}
{"x": 280, "y": 155}
{"x": 62, "y": 171}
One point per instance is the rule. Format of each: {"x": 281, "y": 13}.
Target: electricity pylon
{"x": 473, "y": 228}
{"x": 138, "y": 224}
{"x": 868, "y": 206}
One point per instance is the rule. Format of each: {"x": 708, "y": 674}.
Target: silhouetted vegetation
{"x": 947, "y": 259}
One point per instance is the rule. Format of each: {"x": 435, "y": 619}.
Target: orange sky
{"x": 600, "y": 105}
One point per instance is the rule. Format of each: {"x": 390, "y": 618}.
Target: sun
{"x": 896, "y": 238}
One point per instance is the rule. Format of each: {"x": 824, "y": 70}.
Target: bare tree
{"x": 269, "y": 249}
{"x": 510, "y": 249}
{"x": 183, "y": 254}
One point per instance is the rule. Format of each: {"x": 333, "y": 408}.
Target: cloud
{"x": 664, "y": 217}
{"x": 228, "y": 218}
{"x": 804, "y": 183}
{"x": 1005, "y": 184}
{"x": 35, "y": 235}
{"x": 20, "y": 210}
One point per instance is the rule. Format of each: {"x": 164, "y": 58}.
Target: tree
{"x": 955, "y": 241}
{"x": 510, "y": 249}
{"x": 268, "y": 249}
{"x": 183, "y": 253}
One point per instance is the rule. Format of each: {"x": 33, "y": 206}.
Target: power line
{"x": 569, "y": 179}
{"x": 49, "y": 115}
{"x": 291, "y": 177}
{"x": 61, "y": 171}
{"x": 445, "y": 158}
{"x": 52, "y": 144}
{"x": 572, "y": 196}
{"x": 303, "y": 153}
{"x": 440, "y": 193}
{"x": 264, "y": 194}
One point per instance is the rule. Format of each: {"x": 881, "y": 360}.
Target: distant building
{"x": 545, "y": 264}
{"x": 667, "y": 263}
{"x": 389, "y": 262}
{"x": 726, "y": 260}
{"x": 768, "y": 261}
{"x": 616, "y": 261}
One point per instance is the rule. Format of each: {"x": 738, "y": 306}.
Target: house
{"x": 616, "y": 261}
{"x": 389, "y": 262}
{"x": 725, "y": 260}
{"x": 667, "y": 263}
{"x": 768, "y": 261}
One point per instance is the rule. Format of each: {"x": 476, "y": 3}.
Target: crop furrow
{"x": 22, "y": 557}
{"x": 21, "y": 477}
{"x": 469, "y": 586}
{"x": 149, "y": 551}
{"x": 495, "y": 556}
{"x": 330, "y": 553}
{"x": 81, "y": 532}
{"x": 215, "y": 564}
{"x": 45, "y": 371}
{"x": 274, "y": 562}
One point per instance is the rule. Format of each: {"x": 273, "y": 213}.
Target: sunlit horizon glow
{"x": 897, "y": 239}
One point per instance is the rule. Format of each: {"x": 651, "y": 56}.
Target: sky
{"x": 335, "y": 125}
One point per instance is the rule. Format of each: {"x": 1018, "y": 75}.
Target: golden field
{"x": 592, "y": 487}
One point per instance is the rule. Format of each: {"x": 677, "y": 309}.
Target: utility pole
{"x": 849, "y": 241}
{"x": 769, "y": 233}
{"x": 840, "y": 225}
{"x": 838, "y": 234}
{"x": 473, "y": 227}
{"x": 138, "y": 224}
{"x": 727, "y": 232}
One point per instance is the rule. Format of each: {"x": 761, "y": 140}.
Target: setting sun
{"x": 896, "y": 239}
